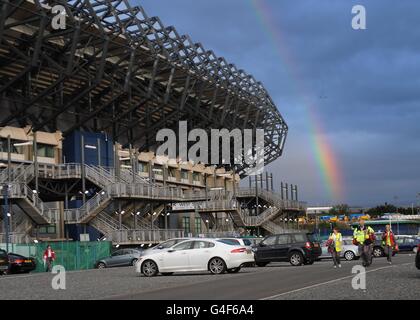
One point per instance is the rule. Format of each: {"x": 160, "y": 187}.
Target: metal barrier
{"x": 70, "y": 255}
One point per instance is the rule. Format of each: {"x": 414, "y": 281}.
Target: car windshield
{"x": 3, "y": 253}
{"x": 313, "y": 237}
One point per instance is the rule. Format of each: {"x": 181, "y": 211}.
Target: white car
{"x": 348, "y": 251}
{"x": 163, "y": 246}
{"x": 196, "y": 255}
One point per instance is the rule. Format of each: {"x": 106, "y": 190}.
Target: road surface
{"x": 276, "y": 281}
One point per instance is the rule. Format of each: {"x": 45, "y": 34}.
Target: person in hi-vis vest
{"x": 335, "y": 243}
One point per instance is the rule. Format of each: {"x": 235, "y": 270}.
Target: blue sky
{"x": 365, "y": 84}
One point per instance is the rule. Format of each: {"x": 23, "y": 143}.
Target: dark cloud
{"x": 365, "y": 85}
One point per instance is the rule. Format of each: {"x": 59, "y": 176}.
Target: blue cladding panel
{"x": 72, "y": 150}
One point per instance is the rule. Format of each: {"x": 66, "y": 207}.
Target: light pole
{"x": 5, "y": 190}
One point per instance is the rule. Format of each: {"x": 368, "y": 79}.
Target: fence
{"x": 71, "y": 255}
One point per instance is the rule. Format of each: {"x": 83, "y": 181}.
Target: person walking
{"x": 364, "y": 237}
{"x": 335, "y": 243}
{"x": 389, "y": 243}
{"x": 49, "y": 257}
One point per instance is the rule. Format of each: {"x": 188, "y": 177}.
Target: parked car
{"x": 407, "y": 244}
{"x": 237, "y": 241}
{"x": 120, "y": 258}
{"x": 297, "y": 248}
{"x": 378, "y": 248}
{"x": 21, "y": 264}
{"x": 4, "y": 262}
{"x": 164, "y": 245}
{"x": 349, "y": 251}
{"x": 195, "y": 255}
{"x": 418, "y": 257}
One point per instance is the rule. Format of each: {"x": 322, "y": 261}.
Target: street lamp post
{"x": 5, "y": 190}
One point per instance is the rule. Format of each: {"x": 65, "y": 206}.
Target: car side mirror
{"x": 262, "y": 244}
{"x": 172, "y": 250}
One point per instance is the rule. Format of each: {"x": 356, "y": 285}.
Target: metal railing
{"x": 22, "y": 191}
{"x": 138, "y": 236}
{"x": 91, "y": 206}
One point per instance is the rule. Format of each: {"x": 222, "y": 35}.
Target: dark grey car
{"x": 120, "y": 258}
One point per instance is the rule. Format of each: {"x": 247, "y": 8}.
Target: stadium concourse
{"x": 80, "y": 109}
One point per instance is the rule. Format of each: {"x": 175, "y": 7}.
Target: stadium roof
{"x": 114, "y": 69}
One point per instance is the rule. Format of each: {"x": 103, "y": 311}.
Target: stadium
{"x": 80, "y": 108}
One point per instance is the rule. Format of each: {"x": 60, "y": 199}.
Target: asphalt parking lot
{"x": 276, "y": 281}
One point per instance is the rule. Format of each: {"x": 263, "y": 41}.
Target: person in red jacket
{"x": 389, "y": 243}
{"x": 49, "y": 257}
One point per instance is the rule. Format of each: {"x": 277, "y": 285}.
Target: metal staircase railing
{"x": 144, "y": 236}
{"x": 274, "y": 228}
{"x": 22, "y": 191}
{"x": 4, "y": 174}
{"x": 93, "y": 205}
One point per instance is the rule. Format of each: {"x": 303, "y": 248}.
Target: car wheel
{"x": 167, "y": 273}
{"x": 133, "y": 262}
{"x": 101, "y": 265}
{"x": 296, "y": 259}
{"x": 234, "y": 270}
{"x": 309, "y": 262}
{"x": 217, "y": 266}
{"x": 378, "y": 252}
{"x": 349, "y": 255}
{"x": 261, "y": 264}
{"x": 149, "y": 268}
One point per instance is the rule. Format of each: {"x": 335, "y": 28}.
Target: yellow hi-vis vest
{"x": 362, "y": 235}
{"x": 338, "y": 240}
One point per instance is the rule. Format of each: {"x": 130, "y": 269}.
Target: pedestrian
{"x": 389, "y": 243}
{"x": 334, "y": 243}
{"x": 364, "y": 237}
{"x": 49, "y": 257}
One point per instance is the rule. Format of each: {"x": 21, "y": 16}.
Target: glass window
{"x": 186, "y": 224}
{"x": 231, "y": 242}
{"x": 247, "y": 242}
{"x": 45, "y": 150}
{"x": 172, "y": 172}
{"x": 284, "y": 239}
{"x": 300, "y": 238}
{"x": 143, "y": 167}
{"x": 184, "y": 174}
{"x": 196, "y": 176}
{"x": 187, "y": 245}
{"x": 270, "y": 241}
{"x": 202, "y": 244}
{"x": 117, "y": 253}
{"x": 13, "y": 148}
{"x": 198, "y": 225}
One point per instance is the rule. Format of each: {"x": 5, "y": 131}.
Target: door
{"x": 267, "y": 248}
{"x": 177, "y": 258}
{"x": 201, "y": 254}
{"x": 282, "y": 247}
{"x": 116, "y": 258}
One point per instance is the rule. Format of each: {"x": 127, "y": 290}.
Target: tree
{"x": 340, "y": 209}
{"x": 381, "y": 210}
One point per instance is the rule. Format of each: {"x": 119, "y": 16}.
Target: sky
{"x": 357, "y": 91}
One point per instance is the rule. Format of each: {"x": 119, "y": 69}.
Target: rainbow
{"x": 326, "y": 161}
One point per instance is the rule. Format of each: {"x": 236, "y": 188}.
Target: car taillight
{"x": 17, "y": 261}
{"x": 308, "y": 245}
{"x": 240, "y": 250}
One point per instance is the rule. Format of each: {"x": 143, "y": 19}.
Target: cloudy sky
{"x": 362, "y": 86}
